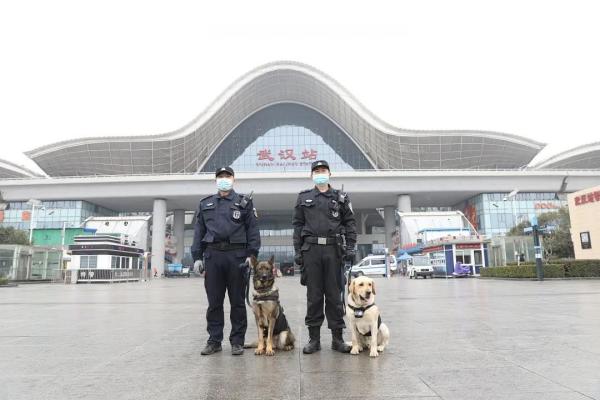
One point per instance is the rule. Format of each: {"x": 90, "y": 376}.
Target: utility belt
{"x": 323, "y": 241}
{"x": 225, "y": 246}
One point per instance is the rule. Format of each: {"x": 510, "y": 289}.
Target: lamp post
{"x": 34, "y": 203}
{"x": 511, "y": 197}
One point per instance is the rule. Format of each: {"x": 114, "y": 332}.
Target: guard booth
{"x": 444, "y": 254}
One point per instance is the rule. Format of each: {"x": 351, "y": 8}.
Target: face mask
{"x": 224, "y": 184}
{"x": 321, "y": 179}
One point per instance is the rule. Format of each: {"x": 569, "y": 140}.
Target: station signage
{"x": 268, "y": 157}
{"x": 546, "y": 206}
{"x": 469, "y": 246}
{"x": 593, "y": 197}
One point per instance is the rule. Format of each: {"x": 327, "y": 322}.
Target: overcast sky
{"x": 72, "y": 69}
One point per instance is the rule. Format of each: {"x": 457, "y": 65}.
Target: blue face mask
{"x": 320, "y": 179}
{"x": 224, "y": 184}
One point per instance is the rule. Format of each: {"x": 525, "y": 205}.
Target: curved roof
{"x": 186, "y": 149}
{"x": 586, "y": 156}
{"x": 11, "y": 170}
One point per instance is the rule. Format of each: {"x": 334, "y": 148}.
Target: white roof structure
{"x": 11, "y": 170}
{"x": 186, "y": 150}
{"x": 586, "y": 156}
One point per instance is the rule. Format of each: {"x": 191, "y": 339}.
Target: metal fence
{"x": 91, "y": 275}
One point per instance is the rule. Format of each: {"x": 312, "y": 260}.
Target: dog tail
{"x": 252, "y": 345}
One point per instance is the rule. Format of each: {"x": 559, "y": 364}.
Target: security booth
{"x": 445, "y": 254}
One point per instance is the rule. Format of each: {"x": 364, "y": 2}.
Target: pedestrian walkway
{"x": 450, "y": 339}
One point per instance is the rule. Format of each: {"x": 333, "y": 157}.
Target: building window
{"x": 287, "y": 137}
{"x": 586, "y": 241}
{"x": 88, "y": 262}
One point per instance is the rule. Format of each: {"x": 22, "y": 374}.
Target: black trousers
{"x": 322, "y": 265}
{"x": 223, "y": 272}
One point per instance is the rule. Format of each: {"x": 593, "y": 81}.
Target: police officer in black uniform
{"x": 324, "y": 235}
{"x": 225, "y": 235}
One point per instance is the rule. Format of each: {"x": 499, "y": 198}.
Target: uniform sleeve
{"x": 197, "y": 248}
{"x": 298, "y": 223}
{"x": 252, "y": 231}
{"x": 349, "y": 223}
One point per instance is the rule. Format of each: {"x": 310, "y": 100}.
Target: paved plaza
{"x": 451, "y": 339}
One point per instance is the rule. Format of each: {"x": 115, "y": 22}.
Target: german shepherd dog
{"x": 272, "y": 326}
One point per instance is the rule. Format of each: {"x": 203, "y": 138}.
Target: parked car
{"x": 374, "y": 265}
{"x": 421, "y": 266}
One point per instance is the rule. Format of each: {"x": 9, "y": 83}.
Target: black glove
{"x": 350, "y": 255}
{"x": 298, "y": 259}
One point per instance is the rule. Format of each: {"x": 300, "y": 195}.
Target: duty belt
{"x": 324, "y": 241}
{"x": 226, "y": 246}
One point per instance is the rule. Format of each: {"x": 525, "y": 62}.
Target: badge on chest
{"x": 236, "y": 214}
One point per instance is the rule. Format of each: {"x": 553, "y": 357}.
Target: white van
{"x": 421, "y": 266}
{"x": 374, "y": 265}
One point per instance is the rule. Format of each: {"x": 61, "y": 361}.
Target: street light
{"x": 511, "y": 197}
{"x": 34, "y": 203}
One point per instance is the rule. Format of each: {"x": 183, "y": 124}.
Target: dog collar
{"x": 360, "y": 311}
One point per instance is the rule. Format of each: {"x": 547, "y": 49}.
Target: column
{"x": 389, "y": 220}
{"x": 404, "y": 203}
{"x": 179, "y": 233}
{"x": 159, "y": 224}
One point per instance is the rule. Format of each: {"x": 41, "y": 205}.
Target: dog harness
{"x": 359, "y": 312}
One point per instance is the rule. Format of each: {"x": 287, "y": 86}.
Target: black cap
{"x": 229, "y": 170}
{"x": 319, "y": 163}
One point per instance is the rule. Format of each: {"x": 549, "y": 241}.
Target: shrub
{"x": 582, "y": 268}
{"x": 523, "y": 272}
{"x": 3, "y": 281}
{"x": 565, "y": 269}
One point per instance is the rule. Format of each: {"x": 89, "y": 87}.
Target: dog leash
{"x": 347, "y": 274}
{"x": 246, "y": 266}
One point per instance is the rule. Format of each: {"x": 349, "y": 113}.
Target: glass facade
{"x": 492, "y": 215}
{"x": 286, "y": 137}
{"x": 52, "y": 214}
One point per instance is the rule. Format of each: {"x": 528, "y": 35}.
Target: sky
{"x": 73, "y": 69}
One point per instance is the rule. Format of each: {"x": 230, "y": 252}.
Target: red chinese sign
{"x": 26, "y": 216}
{"x": 469, "y": 246}
{"x": 547, "y": 206}
{"x": 286, "y": 157}
{"x": 588, "y": 198}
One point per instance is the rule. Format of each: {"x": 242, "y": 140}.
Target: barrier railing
{"x": 90, "y": 275}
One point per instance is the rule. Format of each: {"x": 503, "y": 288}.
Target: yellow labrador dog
{"x": 365, "y": 320}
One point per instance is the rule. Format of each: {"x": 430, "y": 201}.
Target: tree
{"x": 10, "y": 235}
{"x": 557, "y": 243}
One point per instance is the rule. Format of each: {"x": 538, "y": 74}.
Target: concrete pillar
{"x": 389, "y": 220}
{"x": 404, "y": 203}
{"x": 159, "y": 225}
{"x": 179, "y": 232}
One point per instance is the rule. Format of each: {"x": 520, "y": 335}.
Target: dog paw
{"x": 269, "y": 352}
{"x": 355, "y": 350}
{"x": 374, "y": 353}
{"x": 360, "y": 348}
{"x": 259, "y": 351}
{"x": 288, "y": 348}
{"x": 380, "y": 348}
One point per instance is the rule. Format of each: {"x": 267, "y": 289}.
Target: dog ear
{"x": 373, "y": 286}
{"x": 272, "y": 260}
{"x": 351, "y": 287}
{"x": 253, "y": 261}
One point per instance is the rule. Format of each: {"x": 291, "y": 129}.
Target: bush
{"x": 523, "y": 272}
{"x": 566, "y": 269}
{"x": 582, "y": 268}
{"x": 3, "y": 281}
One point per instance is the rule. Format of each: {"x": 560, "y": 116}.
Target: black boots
{"x": 211, "y": 348}
{"x": 337, "y": 341}
{"x": 314, "y": 344}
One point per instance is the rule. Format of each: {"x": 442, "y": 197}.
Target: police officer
{"x": 225, "y": 235}
{"x": 324, "y": 235}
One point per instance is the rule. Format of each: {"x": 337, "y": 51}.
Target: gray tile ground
{"x": 451, "y": 339}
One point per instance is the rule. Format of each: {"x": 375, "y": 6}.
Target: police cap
{"x": 229, "y": 170}
{"x": 319, "y": 163}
